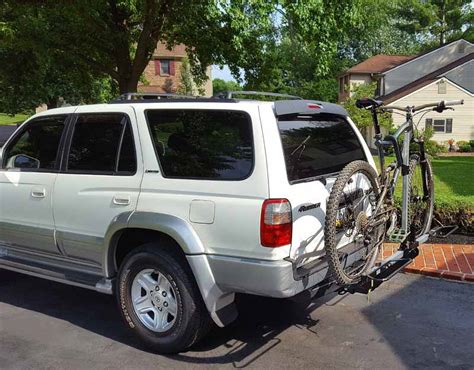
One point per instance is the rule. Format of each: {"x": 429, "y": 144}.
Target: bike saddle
{"x": 368, "y": 103}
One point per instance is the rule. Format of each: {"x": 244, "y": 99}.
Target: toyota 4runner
{"x": 175, "y": 204}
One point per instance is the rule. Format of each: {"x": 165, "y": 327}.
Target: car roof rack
{"x": 152, "y": 96}
{"x": 166, "y": 97}
{"x": 231, "y": 94}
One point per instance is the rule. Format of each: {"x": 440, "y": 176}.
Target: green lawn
{"x": 454, "y": 181}
{"x": 5, "y": 119}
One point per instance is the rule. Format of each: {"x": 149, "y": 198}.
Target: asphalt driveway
{"x": 410, "y": 322}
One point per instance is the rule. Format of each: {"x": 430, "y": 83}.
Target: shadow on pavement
{"x": 252, "y": 335}
{"x": 410, "y": 322}
{"x": 428, "y": 323}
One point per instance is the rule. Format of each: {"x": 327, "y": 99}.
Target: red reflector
{"x": 276, "y": 225}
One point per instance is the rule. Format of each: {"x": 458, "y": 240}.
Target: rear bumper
{"x": 266, "y": 278}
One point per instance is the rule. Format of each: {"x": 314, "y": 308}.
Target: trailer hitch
{"x": 387, "y": 269}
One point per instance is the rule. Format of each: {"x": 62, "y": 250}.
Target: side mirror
{"x": 23, "y": 161}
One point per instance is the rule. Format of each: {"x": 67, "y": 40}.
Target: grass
{"x": 454, "y": 182}
{"x": 6, "y": 119}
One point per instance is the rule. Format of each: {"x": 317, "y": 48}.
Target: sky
{"x": 223, "y": 74}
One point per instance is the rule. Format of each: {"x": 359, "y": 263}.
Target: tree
{"x": 67, "y": 46}
{"x": 439, "y": 19}
{"x": 362, "y": 117}
{"x": 378, "y": 34}
{"x": 219, "y": 85}
{"x": 31, "y": 74}
{"x": 118, "y": 37}
{"x": 317, "y": 40}
{"x": 186, "y": 82}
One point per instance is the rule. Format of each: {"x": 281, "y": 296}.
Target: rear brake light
{"x": 276, "y": 223}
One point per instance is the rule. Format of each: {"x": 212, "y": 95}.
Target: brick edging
{"x": 444, "y": 261}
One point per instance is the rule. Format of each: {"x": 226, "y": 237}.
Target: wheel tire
{"x": 192, "y": 321}
{"x": 336, "y": 269}
{"x": 428, "y": 214}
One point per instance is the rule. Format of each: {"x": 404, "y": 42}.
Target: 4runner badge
{"x": 308, "y": 207}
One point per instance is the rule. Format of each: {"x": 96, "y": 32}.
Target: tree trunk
{"x": 52, "y": 103}
{"x": 127, "y": 84}
{"x": 442, "y": 39}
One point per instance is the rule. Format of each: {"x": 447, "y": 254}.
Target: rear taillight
{"x": 275, "y": 223}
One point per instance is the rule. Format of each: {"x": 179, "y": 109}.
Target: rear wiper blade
{"x": 295, "y": 160}
{"x": 301, "y": 145}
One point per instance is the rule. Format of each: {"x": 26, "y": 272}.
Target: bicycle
{"x": 361, "y": 211}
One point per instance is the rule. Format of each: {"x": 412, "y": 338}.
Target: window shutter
{"x": 429, "y": 124}
{"x": 172, "y": 69}
{"x": 157, "y": 67}
{"x": 449, "y": 125}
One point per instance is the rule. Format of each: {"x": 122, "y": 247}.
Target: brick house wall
{"x": 163, "y": 72}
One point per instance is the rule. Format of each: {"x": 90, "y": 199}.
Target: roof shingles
{"x": 379, "y": 63}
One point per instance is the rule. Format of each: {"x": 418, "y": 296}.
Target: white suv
{"x": 175, "y": 205}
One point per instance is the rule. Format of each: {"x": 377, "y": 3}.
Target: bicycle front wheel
{"x": 351, "y": 240}
{"x": 420, "y": 196}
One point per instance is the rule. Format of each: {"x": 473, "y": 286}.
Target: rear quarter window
{"x": 317, "y": 145}
{"x": 202, "y": 144}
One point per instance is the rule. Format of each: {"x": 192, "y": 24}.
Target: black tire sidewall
{"x": 179, "y": 336}
{"x": 414, "y": 162}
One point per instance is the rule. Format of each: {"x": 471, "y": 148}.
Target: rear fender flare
{"x": 173, "y": 226}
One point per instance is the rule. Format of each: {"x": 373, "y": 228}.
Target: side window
{"x": 102, "y": 143}
{"x": 37, "y": 147}
{"x": 202, "y": 144}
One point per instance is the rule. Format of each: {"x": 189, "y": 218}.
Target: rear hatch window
{"x": 318, "y": 145}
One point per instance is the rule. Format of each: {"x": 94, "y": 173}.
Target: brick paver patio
{"x": 447, "y": 261}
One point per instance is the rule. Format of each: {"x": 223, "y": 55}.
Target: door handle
{"x": 38, "y": 192}
{"x": 122, "y": 200}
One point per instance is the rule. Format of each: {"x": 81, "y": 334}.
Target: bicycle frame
{"x": 402, "y": 162}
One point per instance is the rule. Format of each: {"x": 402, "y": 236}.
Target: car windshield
{"x": 318, "y": 145}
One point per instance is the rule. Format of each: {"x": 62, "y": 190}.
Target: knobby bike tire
{"x": 427, "y": 215}
{"x": 336, "y": 269}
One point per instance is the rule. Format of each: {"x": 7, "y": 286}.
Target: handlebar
{"x": 438, "y": 107}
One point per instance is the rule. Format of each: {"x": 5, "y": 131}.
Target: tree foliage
{"x": 31, "y": 74}
{"x": 319, "y": 39}
{"x": 219, "y": 85}
{"x": 362, "y": 117}
{"x": 442, "y": 20}
{"x": 84, "y": 40}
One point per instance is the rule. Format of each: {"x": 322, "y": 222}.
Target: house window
{"x": 442, "y": 87}
{"x": 165, "y": 67}
{"x": 341, "y": 84}
{"x": 441, "y": 125}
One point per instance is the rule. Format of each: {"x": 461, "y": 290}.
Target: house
{"x": 445, "y": 73}
{"x": 163, "y": 72}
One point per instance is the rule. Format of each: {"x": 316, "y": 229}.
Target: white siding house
{"x": 457, "y": 124}
{"x": 446, "y": 73}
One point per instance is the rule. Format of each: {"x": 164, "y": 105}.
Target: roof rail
{"x": 230, "y": 94}
{"x": 151, "y": 96}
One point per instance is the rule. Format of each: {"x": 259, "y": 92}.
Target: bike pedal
{"x": 398, "y": 235}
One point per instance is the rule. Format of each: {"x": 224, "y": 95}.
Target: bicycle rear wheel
{"x": 351, "y": 242}
{"x": 421, "y": 197}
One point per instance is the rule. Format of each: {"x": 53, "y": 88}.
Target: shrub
{"x": 465, "y": 148}
{"x": 462, "y": 217}
{"x": 433, "y": 148}
{"x": 471, "y": 143}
